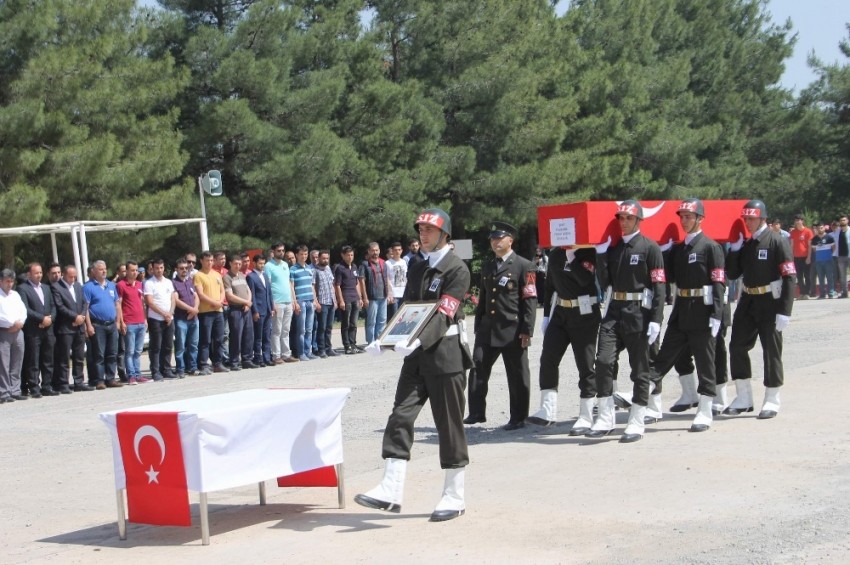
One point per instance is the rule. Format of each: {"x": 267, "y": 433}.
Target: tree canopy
{"x": 334, "y": 121}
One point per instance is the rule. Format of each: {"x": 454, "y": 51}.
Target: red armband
{"x": 787, "y": 269}
{"x": 448, "y": 305}
{"x": 589, "y": 266}
{"x": 718, "y": 275}
{"x": 530, "y": 288}
{"x": 657, "y": 276}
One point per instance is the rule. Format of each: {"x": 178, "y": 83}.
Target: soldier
{"x": 697, "y": 268}
{"x": 434, "y": 368}
{"x": 766, "y": 263}
{"x": 634, "y": 269}
{"x": 570, "y": 316}
{"x": 504, "y": 324}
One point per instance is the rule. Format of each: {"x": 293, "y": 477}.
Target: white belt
{"x": 567, "y": 303}
{"x": 453, "y": 330}
{"x": 627, "y": 296}
{"x": 690, "y": 292}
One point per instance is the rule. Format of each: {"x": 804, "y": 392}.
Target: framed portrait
{"x": 407, "y": 323}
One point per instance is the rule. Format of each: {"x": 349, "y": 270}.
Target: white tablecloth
{"x": 249, "y": 436}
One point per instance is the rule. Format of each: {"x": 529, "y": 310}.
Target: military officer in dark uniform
{"x": 764, "y": 310}
{"x": 696, "y": 266}
{"x": 634, "y": 268}
{"x": 570, "y": 316}
{"x": 504, "y": 324}
{"x": 434, "y": 368}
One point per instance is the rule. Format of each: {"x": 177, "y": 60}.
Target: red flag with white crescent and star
{"x": 152, "y": 455}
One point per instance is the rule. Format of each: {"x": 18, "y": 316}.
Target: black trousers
{"x": 569, "y": 328}
{"x": 160, "y": 346}
{"x": 348, "y": 328}
{"x": 69, "y": 353}
{"x": 515, "y": 358}
{"x": 755, "y": 317}
{"x": 38, "y": 359}
{"x": 612, "y": 341}
{"x": 447, "y": 405}
{"x": 241, "y": 347}
{"x": 804, "y": 275}
{"x": 698, "y": 343}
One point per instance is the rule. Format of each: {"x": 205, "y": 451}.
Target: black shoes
{"x": 539, "y": 421}
{"x": 443, "y": 515}
{"x": 509, "y": 427}
{"x": 370, "y": 502}
{"x": 19, "y": 397}
{"x": 766, "y": 414}
{"x": 579, "y": 432}
{"x": 683, "y": 407}
{"x": 474, "y": 419}
{"x": 49, "y": 392}
{"x": 698, "y": 428}
{"x": 598, "y": 433}
{"x": 735, "y": 411}
{"x": 630, "y": 438}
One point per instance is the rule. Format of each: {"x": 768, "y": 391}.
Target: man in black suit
{"x": 504, "y": 324}
{"x": 70, "y": 330}
{"x": 38, "y": 335}
{"x": 261, "y": 311}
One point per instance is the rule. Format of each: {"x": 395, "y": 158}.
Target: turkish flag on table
{"x": 152, "y": 455}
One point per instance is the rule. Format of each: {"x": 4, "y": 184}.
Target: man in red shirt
{"x": 133, "y": 322}
{"x": 801, "y": 238}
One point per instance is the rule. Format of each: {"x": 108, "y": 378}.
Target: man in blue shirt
{"x": 278, "y": 271}
{"x": 301, "y": 276}
{"x": 102, "y": 319}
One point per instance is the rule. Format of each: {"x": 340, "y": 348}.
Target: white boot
{"x": 635, "y": 428}
{"x": 720, "y": 400}
{"x": 451, "y": 505}
{"x": 703, "y": 419}
{"x": 585, "y": 417}
{"x": 744, "y": 400}
{"x": 689, "y": 398}
{"x": 604, "y": 423}
{"x": 654, "y": 411}
{"x": 770, "y": 408}
{"x": 546, "y": 415}
{"x": 388, "y": 494}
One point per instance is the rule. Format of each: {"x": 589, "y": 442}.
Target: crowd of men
{"x": 220, "y": 314}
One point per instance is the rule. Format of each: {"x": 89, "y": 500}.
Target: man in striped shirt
{"x": 301, "y": 277}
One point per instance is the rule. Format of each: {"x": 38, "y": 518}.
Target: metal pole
{"x": 262, "y": 493}
{"x": 340, "y": 485}
{"x": 205, "y": 239}
{"x": 122, "y": 518}
{"x": 75, "y": 245}
{"x": 53, "y": 246}
{"x": 84, "y": 253}
{"x": 205, "y": 520}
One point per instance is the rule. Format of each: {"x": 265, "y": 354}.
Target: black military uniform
{"x": 630, "y": 269}
{"x": 436, "y": 370}
{"x": 761, "y": 260}
{"x": 567, "y": 325}
{"x": 507, "y": 306}
{"x": 693, "y": 266}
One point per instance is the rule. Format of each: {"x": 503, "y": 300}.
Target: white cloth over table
{"x": 244, "y": 437}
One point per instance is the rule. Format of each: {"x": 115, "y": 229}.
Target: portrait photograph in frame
{"x": 407, "y": 323}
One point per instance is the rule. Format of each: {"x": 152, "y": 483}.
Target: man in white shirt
{"x": 161, "y": 300}
{"x": 13, "y": 314}
{"x": 397, "y": 274}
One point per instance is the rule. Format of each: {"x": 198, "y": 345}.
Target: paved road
{"x": 747, "y": 491}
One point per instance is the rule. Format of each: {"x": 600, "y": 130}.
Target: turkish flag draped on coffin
{"x": 152, "y": 455}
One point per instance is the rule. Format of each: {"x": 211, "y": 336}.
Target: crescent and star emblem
{"x": 647, "y": 212}
{"x": 149, "y": 431}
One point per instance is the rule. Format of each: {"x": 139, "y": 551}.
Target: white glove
{"x": 603, "y": 247}
{"x": 782, "y": 322}
{"x": 653, "y": 331}
{"x": 667, "y": 245}
{"x": 737, "y": 245}
{"x": 571, "y": 255}
{"x": 714, "y": 324}
{"x": 374, "y": 348}
{"x": 405, "y": 349}
{"x": 545, "y": 324}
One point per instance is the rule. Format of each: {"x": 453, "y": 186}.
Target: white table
{"x": 245, "y": 437}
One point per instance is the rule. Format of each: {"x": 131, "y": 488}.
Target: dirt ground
{"x": 747, "y": 491}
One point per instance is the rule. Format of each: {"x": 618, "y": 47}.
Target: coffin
{"x": 588, "y": 223}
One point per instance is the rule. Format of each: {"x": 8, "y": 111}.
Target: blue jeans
{"x": 186, "y": 345}
{"x": 325, "y": 326}
{"x": 211, "y": 328}
{"x": 304, "y": 328}
{"x": 134, "y": 343}
{"x": 103, "y": 364}
{"x": 826, "y": 277}
{"x": 376, "y": 318}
